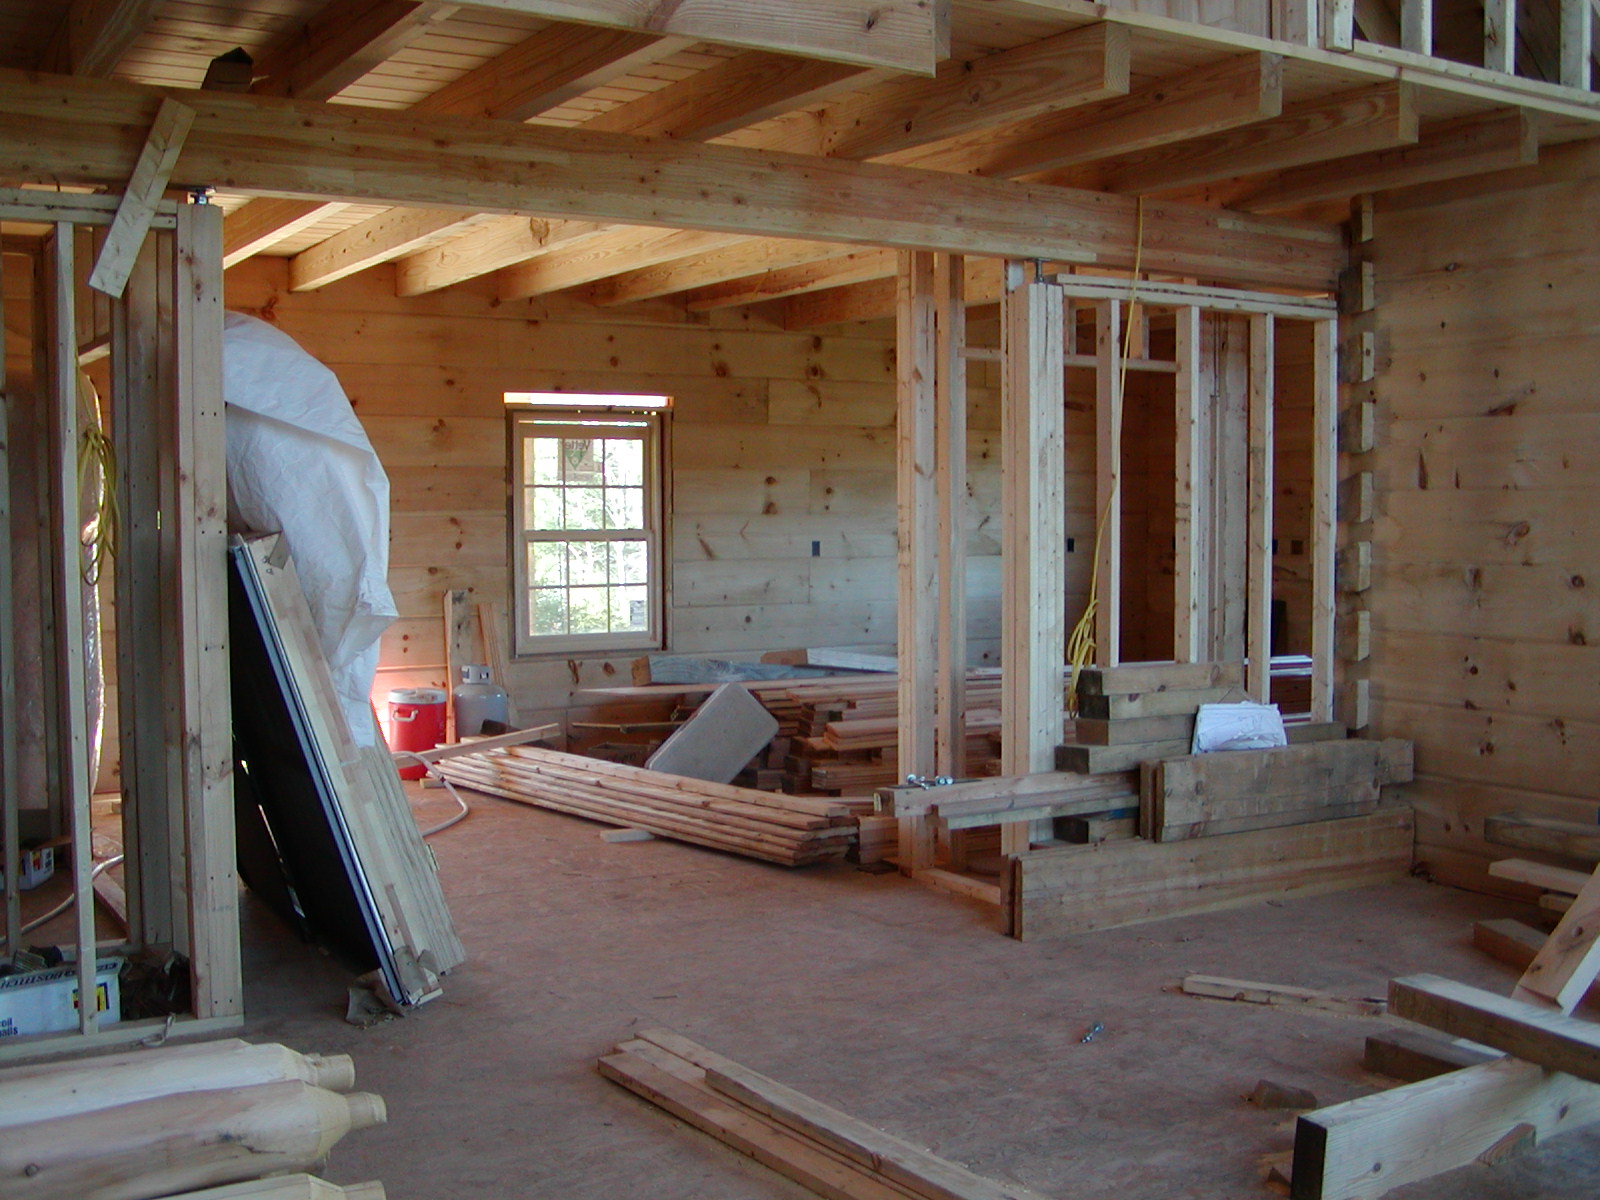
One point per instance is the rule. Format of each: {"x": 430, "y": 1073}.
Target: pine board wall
{"x": 781, "y": 464}
{"x": 1486, "y": 622}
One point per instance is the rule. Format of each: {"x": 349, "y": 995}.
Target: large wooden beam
{"x": 1061, "y": 72}
{"x": 1367, "y": 1146}
{"x": 1315, "y": 131}
{"x": 341, "y": 43}
{"x": 745, "y": 89}
{"x": 88, "y": 131}
{"x": 536, "y": 75}
{"x": 1471, "y": 146}
{"x": 1033, "y": 619}
{"x": 917, "y": 509}
{"x": 95, "y": 34}
{"x": 912, "y": 35}
{"x": 1236, "y": 91}
{"x": 1528, "y": 1031}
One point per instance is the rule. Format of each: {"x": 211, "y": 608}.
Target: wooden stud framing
{"x": 919, "y": 541}
{"x": 61, "y": 395}
{"x": 950, "y": 422}
{"x": 1416, "y": 26}
{"x": 1191, "y": 534}
{"x": 1577, "y": 42}
{"x": 1108, "y": 482}
{"x": 1033, "y": 489}
{"x": 201, "y": 513}
{"x": 9, "y": 799}
{"x": 1258, "y": 618}
{"x": 1500, "y": 35}
{"x": 138, "y": 207}
{"x": 1324, "y": 513}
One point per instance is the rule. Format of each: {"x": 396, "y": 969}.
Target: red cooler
{"x": 416, "y": 722}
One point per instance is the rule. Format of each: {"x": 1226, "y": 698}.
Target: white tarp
{"x": 1242, "y": 726}
{"x": 300, "y": 463}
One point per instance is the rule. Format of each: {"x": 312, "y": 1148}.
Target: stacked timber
{"x": 1234, "y": 791}
{"x": 846, "y": 732}
{"x": 788, "y": 830}
{"x": 819, "y": 1147}
{"x": 169, "y": 1122}
{"x": 1132, "y": 714}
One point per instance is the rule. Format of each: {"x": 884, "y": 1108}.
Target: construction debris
{"x": 1216, "y": 987}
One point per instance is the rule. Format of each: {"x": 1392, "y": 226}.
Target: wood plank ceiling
{"x": 1035, "y": 90}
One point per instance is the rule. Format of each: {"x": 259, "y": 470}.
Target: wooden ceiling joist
{"x": 264, "y": 222}
{"x": 875, "y": 299}
{"x": 703, "y": 106}
{"x": 1457, "y": 150}
{"x": 1357, "y": 122}
{"x": 85, "y": 131}
{"x": 539, "y": 73}
{"x": 341, "y": 43}
{"x": 906, "y": 35}
{"x": 1234, "y": 92}
{"x": 621, "y": 248}
{"x": 738, "y": 261}
{"x": 95, "y": 34}
{"x": 859, "y": 266}
{"x": 1079, "y": 68}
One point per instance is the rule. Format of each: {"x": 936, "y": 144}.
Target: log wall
{"x": 1486, "y": 623}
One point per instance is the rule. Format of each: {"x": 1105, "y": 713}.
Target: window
{"x": 586, "y": 512}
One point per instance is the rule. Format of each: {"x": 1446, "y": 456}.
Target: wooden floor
{"x": 896, "y": 1003}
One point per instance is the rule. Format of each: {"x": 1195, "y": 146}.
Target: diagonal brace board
{"x": 1562, "y": 972}
{"x": 138, "y": 208}
{"x": 1529, "y": 1031}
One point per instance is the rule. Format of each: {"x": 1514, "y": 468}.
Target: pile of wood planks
{"x": 788, "y": 830}
{"x": 1135, "y": 713}
{"x": 168, "y": 1122}
{"x": 1233, "y": 791}
{"x": 819, "y": 1147}
{"x": 1459, "y": 1110}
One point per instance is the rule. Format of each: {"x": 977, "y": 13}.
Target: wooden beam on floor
{"x": 1471, "y": 146}
{"x": 95, "y": 34}
{"x": 1314, "y": 131}
{"x": 906, "y": 37}
{"x": 1528, "y": 1031}
{"x": 1033, "y": 617}
{"x": 1568, "y": 964}
{"x": 1372, "y": 1144}
{"x": 917, "y": 508}
{"x": 79, "y": 134}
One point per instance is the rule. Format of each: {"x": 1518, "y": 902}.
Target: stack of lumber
{"x": 1232, "y": 791}
{"x": 169, "y": 1122}
{"x": 845, "y": 733}
{"x": 976, "y": 803}
{"x": 1143, "y": 711}
{"x": 819, "y": 1147}
{"x": 788, "y": 830}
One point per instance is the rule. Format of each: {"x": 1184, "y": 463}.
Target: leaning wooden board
{"x": 1234, "y": 791}
{"x": 1076, "y": 889}
{"x": 397, "y": 869}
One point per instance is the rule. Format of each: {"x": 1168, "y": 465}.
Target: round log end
{"x": 366, "y": 1110}
{"x": 336, "y": 1072}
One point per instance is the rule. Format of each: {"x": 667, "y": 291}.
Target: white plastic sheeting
{"x": 300, "y": 463}
{"x": 1242, "y": 726}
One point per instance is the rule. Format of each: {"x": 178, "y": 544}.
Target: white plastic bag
{"x": 1242, "y": 726}
{"x": 300, "y": 463}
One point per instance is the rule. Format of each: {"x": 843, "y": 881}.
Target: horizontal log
{"x": 60, "y": 129}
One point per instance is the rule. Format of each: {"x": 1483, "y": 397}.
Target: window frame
{"x": 523, "y": 423}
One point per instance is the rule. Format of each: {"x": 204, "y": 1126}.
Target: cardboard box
{"x": 47, "y": 1001}
{"x": 37, "y": 866}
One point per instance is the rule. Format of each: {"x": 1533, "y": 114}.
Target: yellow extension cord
{"x": 1080, "y": 643}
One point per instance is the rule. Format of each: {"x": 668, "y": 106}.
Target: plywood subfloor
{"x": 896, "y": 1003}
